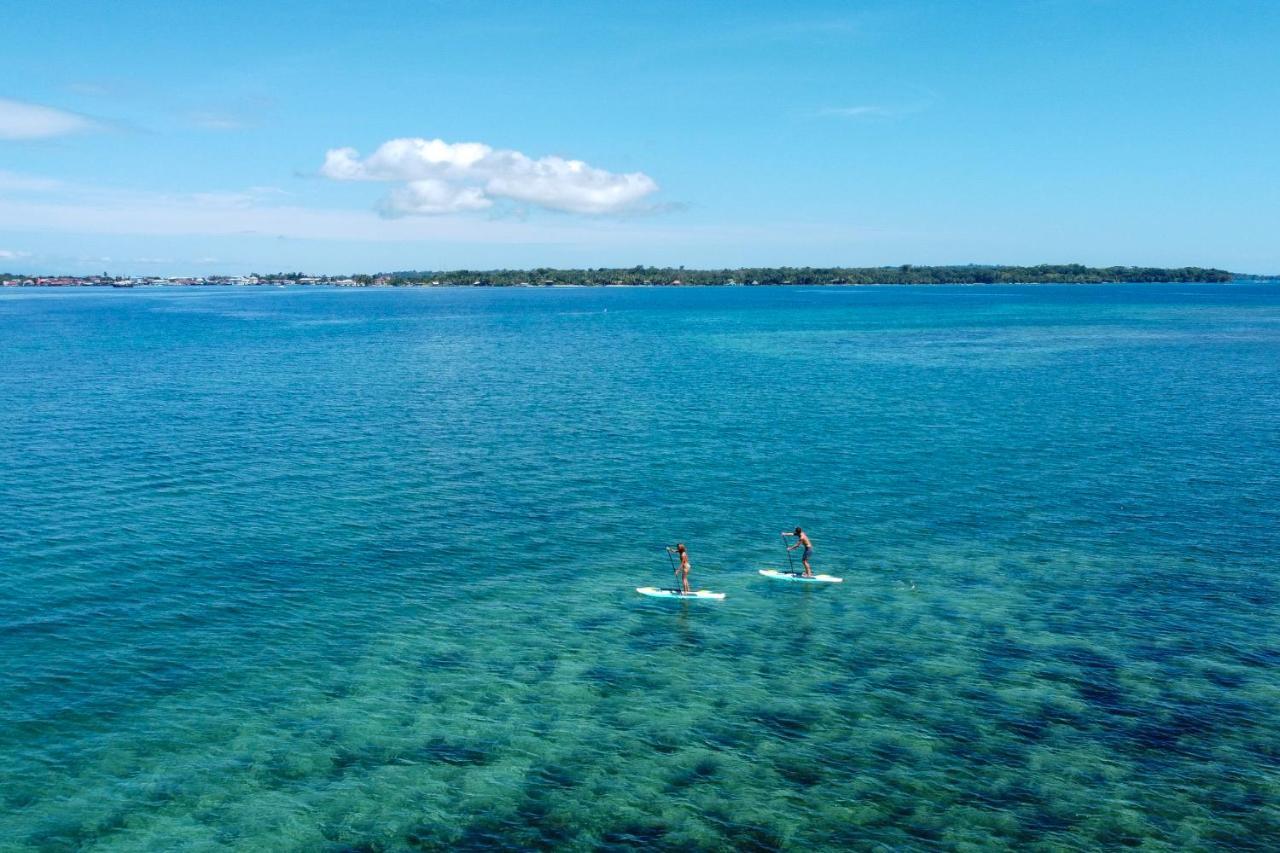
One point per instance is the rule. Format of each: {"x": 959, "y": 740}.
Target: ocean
{"x": 326, "y": 569}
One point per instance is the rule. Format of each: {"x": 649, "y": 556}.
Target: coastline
{"x": 1254, "y": 280}
{"x": 905, "y": 274}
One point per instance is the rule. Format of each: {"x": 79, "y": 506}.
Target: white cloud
{"x": 21, "y": 120}
{"x": 10, "y": 255}
{"x": 406, "y": 160}
{"x": 216, "y": 121}
{"x": 16, "y": 182}
{"x": 216, "y": 214}
{"x": 908, "y": 101}
{"x": 443, "y": 177}
{"x": 241, "y": 199}
{"x": 431, "y": 195}
{"x": 162, "y": 215}
{"x": 567, "y": 184}
{"x": 857, "y": 112}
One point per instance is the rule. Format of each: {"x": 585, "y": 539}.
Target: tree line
{"x": 904, "y": 274}
{"x": 677, "y": 276}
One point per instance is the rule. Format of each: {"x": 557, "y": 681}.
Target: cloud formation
{"x": 441, "y": 177}
{"x": 856, "y": 112}
{"x": 27, "y": 183}
{"x": 21, "y": 120}
{"x": 215, "y": 121}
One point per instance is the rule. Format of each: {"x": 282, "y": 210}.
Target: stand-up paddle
{"x": 702, "y": 594}
{"x": 793, "y": 575}
{"x": 654, "y": 592}
{"x": 797, "y": 576}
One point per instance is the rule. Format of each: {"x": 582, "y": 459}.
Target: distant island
{"x": 904, "y": 274}
{"x": 675, "y": 277}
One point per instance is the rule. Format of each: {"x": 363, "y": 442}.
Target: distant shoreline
{"x": 905, "y": 274}
{"x": 333, "y": 285}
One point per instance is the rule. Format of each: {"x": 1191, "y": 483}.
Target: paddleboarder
{"x": 802, "y": 539}
{"x": 682, "y": 570}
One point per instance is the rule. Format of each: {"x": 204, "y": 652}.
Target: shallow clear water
{"x": 313, "y": 569}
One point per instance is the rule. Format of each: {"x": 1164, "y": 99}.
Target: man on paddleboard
{"x": 802, "y": 539}
{"x": 682, "y": 570}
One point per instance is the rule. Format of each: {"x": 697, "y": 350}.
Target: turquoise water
{"x": 309, "y": 569}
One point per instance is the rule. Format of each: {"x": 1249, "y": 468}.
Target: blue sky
{"x": 184, "y": 137}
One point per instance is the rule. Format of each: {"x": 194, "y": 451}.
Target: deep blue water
{"x": 316, "y": 569}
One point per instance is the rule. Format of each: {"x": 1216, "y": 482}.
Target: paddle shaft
{"x": 790, "y": 562}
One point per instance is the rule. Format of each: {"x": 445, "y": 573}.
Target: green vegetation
{"x": 905, "y": 274}
{"x": 678, "y": 276}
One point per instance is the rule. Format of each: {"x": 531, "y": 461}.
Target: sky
{"x": 194, "y": 138}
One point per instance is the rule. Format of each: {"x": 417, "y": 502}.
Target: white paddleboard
{"x": 796, "y": 576}
{"x": 654, "y": 592}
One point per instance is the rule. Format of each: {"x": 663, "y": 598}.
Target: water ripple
{"x": 316, "y": 570}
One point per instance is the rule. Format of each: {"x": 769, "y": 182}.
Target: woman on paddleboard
{"x": 682, "y": 570}
{"x": 802, "y": 539}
